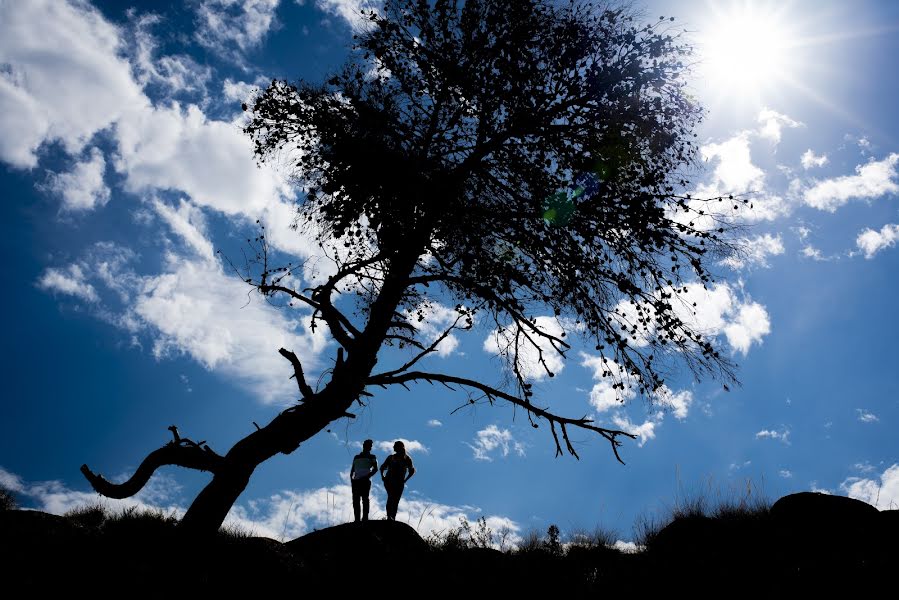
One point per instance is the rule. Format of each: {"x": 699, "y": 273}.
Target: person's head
{"x": 367, "y": 444}
{"x": 399, "y": 448}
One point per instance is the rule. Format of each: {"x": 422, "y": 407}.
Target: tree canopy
{"x": 526, "y": 162}
{"x": 533, "y": 155}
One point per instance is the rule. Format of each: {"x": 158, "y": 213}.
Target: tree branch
{"x": 583, "y": 423}
{"x": 181, "y": 452}
{"x": 305, "y": 390}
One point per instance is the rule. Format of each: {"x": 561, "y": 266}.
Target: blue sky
{"x": 123, "y": 170}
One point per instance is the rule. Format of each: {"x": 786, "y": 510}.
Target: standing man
{"x": 399, "y": 470}
{"x": 364, "y": 466}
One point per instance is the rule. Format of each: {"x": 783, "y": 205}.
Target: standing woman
{"x": 399, "y": 470}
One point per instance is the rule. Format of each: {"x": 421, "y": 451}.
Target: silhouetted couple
{"x": 395, "y": 472}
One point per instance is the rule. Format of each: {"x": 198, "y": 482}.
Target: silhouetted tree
{"x": 519, "y": 158}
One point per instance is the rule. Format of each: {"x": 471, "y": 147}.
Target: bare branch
{"x": 490, "y": 392}
{"x": 305, "y": 390}
{"x": 181, "y": 452}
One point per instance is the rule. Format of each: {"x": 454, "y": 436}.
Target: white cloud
{"x": 782, "y": 436}
{"x": 771, "y": 124}
{"x": 871, "y": 242}
{"x": 431, "y": 319}
{"x": 734, "y": 170}
{"x": 604, "y": 396}
{"x": 70, "y": 280}
{"x": 62, "y": 77}
{"x": 785, "y": 473}
{"x": 864, "y": 467}
{"x": 866, "y": 416}
{"x": 434, "y": 423}
{"x": 180, "y": 149}
{"x": 502, "y": 342}
{"x": 678, "y": 403}
{"x": 645, "y": 431}
{"x": 872, "y": 180}
{"x": 82, "y": 188}
{"x": 351, "y": 11}
{"x": 223, "y": 25}
{"x": 712, "y": 312}
{"x": 173, "y": 73}
{"x": 883, "y": 494}
{"x": 194, "y": 308}
{"x": 755, "y": 252}
{"x": 238, "y": 91}
{"x": 810, "y": 159}
{"x": 813, "y": 253}
{"x": 11, "y": 481}
{"x": 491, "y": 439}
{"x": 412, "y": 446}
{"x": 188, "y": 222}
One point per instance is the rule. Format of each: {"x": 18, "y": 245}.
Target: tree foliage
{"x": 533, "y": 154}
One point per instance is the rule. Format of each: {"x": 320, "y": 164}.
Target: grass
{"x": 745, "y": 501}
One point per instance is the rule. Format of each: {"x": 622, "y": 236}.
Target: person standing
{"x": 364, "y": 466}
{"x": 399, "y": 470}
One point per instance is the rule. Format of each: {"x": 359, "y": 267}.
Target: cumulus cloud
{"x": 493, "y": 439}
{"x": 811, "y": 160}
{"x": 785, "y": 473}
{"x": 713, "y": 312}
{"x": 755, "y": 252}
{"x": 871, "y": 242}
{"x": 782, "y": 436}
{"x": 771, "y": 124}
{"x": 82, "y": 188}
{"x": 882, "y": 492}
{"x": 228, "y": 25}
{"x": 351, "y": 11}
{"x": 502, "y": 342}
{"x": 734, "y": 169}
{"x": 866, "y": 416}
{"x": 62, "y": 77}
{"x": 645, "y": 431}
{"x": 434, "y": 423}
{"x": 871, "y": 180}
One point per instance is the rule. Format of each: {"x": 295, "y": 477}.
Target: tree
{"x": 518, "y": 158}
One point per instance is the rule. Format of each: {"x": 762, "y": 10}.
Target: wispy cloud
{"x": 782, "y": 436}
{"x": 755, "y": 251}
{"x": 354, "y": 13}
{"x": 434, "y": 423}
{"x": 866, "y": 416}
{"x": 228, "y": 25}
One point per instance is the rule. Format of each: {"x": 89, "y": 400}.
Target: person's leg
{"x": 366, "y": 488}
{"x": 391, "y": 503}
{"x": 356, "y": 497}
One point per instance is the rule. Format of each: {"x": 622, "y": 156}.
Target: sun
{"x": 745, "y": 50}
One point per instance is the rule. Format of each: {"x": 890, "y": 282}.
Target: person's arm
{"x": 374, "y": 467}
{"x": 384, "y": 466}
{"x": 411, "y": 469}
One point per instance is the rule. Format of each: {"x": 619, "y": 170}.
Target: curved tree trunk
{"x": 293, "y": 426}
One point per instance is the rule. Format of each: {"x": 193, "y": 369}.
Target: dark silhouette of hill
{"x": 805, "y": 541}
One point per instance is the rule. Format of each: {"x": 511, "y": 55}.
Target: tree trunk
{"x": 296, "y": 425}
